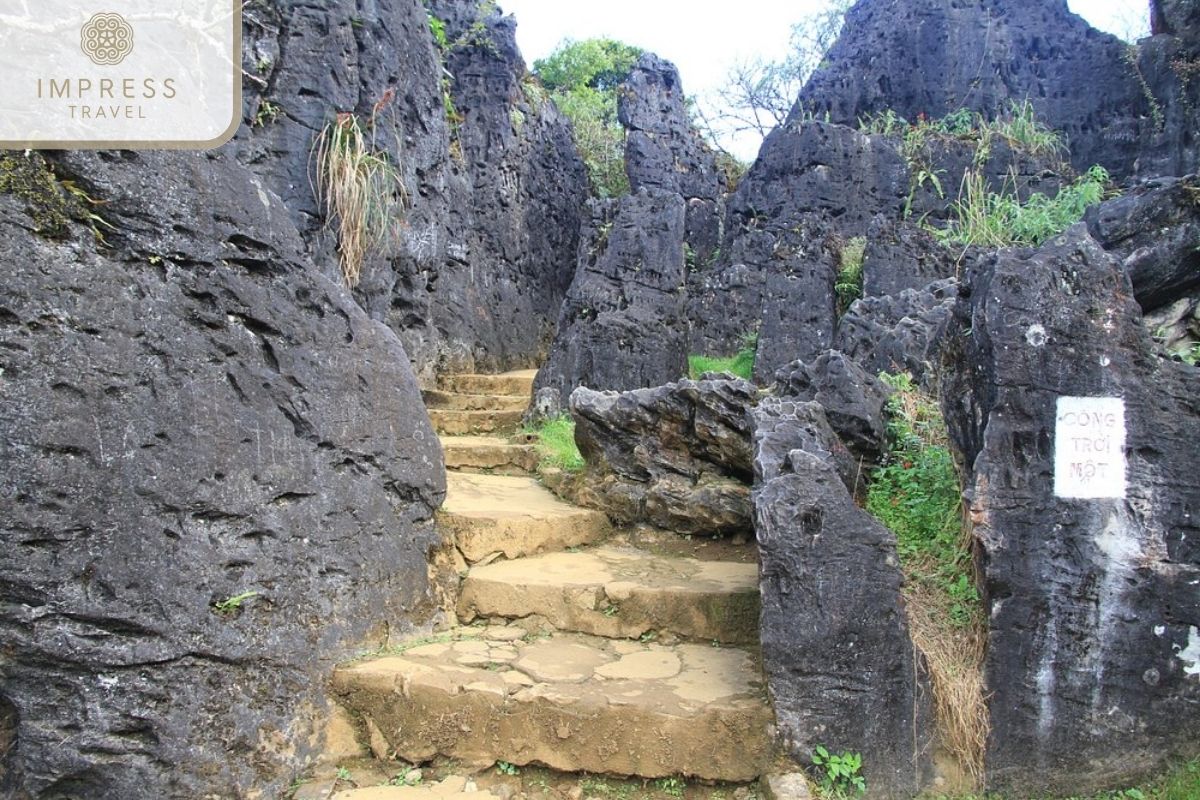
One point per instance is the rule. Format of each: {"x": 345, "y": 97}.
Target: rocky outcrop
{"x": 676, "y": 456}
{"x": 621, "y": 324}
{"x": 933, "y": 58}
{"x": 1093, "y": 654}
{"x": 901, "y": 256}
{"x": 1155, "y": 230}
{"x": 852, "y": 398}
{"x": 812, "y": 187}
{"x": 474, "y": 275}
{"x": 841, "y": 668}
{"x": 898, "y": 333}
{"x": 219, "y": 481}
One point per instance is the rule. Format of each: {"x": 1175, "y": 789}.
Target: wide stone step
{"x": 572, "y": 702}
{"x": 491, "y": 453}
{"x": 491, "y": 515}
{"x": 453, "y": 422}
{"x": 517, "y": 382}
{"x": 436, "y": 398}
{"x": 620, "y": 592}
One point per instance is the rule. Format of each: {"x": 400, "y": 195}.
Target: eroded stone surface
{"x": 574, "y": 703}
{"x": 486, "y": 514}
{"x": 620, "y": 592}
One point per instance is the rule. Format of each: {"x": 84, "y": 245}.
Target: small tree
{"x": 758, "y": 95}
{"x": 582, "y": 78}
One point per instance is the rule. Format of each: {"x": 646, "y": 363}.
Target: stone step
{"x": 486, "y": 515}
{"x": 453, "y": 422}
{"x": 571, "y": 702}
{"x": 491, "y": 453}
{"x": 517, "y": 382}
{"x": 436, "y": 398}
{"x": 620, "y": 592}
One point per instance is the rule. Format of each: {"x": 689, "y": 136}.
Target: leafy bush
{"x": 840, "y": 773}
{"x": 556, "y": 443}
{"x": 740, "y": 364}
{"x": 999, "y": 219}
{"x": 582, "y": 78}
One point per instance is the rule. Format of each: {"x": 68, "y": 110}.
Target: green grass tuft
{"x": 740, "y": 364}
{"x": 556, "y": 443}
{"x": 849, "y": 284}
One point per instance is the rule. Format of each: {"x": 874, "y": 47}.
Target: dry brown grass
{"x": 954, "y": 655}
{"x": 360, "y": 188}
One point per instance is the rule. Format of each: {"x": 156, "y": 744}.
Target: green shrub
{"x": 915, "y": 493}
{"x": 998, "y": 219}
{"x": 582, "y": 78}
{"x": 841, "y": 773}
{"x": 848, "y": 286}
{"x": 556, "y": 443}
{"x": 740, "y": 364}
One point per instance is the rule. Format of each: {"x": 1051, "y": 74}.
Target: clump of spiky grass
{"x": 556, "y": 443}
{"x": 359, "y": 187}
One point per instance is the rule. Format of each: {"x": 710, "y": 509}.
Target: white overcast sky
{"x": 705, "y": 37}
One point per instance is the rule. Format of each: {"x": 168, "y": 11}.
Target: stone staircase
{"x": 578, "y": 648}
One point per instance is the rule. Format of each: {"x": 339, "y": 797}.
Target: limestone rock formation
{"x": 676, "y": 456}
{"x": 620, "y": 326}
{"x": 1090, "y": 581}
{"x": 203, "y": 509}
{"x": 485, "y": 251}
{"x": 853, "y": 399}
{"x": 1155, "y": 230}
{"x": 932, "y": 58}
{"x": 898, "y": 333}
{"x": 841, "y": 668}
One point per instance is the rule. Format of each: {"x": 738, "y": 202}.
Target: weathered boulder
{"x": 1176, "y": 18}
{"x": 676, "y": 456}
{"x": 853, "y": 400}
{"x": 1093, "y": 652}
{"x": 783, "y": 424}
{"x": 1155, "y": 229}
{"x": 1176, "y": 326}
{"x": 841, "y": 668}
{"x": 621, "y": 324}
{"x": 663, "y": 149}
{"x": 815, "y": 167}
{"x": 898, "y": 333}
{"x": 219, "y": 480}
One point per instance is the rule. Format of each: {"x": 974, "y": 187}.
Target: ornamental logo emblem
{"x": 106, "y": 39}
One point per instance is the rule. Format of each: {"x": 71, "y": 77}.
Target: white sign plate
{"x": 1089, "y": 448}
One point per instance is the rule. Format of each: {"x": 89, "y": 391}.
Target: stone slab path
{"x": 584, "y": 653}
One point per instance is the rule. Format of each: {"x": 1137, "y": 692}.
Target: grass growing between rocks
{"x": 556, "y": 444}
{"x": 740, "y": 364}
{"x": 848, "y": 286}
{"x": 999, "y": 219}
{"x": 916, "y": 494}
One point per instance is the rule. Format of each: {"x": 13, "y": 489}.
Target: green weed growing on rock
{"x": 848, "y": 286}
{"x": 985, "y": 218}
